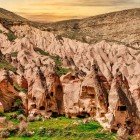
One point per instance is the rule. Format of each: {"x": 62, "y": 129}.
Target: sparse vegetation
{"x": 0, "y": 31}
{"x": 14, "y": 54}
{"x": 12, "y": 116}
{"x": 18, "y": 102}
{"x": 16, "y": 109}
{"x": 61, "y": 71}
{"x": 58, "y": 62}
{"x": 5, "y": 65}
{"x": 1, "y": 114}
{"x": 63, "y": 128}
{"x": 19, "y": 88}
{"x": 41, "y": 51}
{"x": 58, "y": 66}
{"x": 11, "y": 36}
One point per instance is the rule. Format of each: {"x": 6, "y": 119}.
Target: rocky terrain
{"x": 54, "y": 76}
{"x": 122, "y": 27}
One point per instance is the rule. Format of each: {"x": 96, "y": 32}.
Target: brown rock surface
{"x": 103, "y": 79}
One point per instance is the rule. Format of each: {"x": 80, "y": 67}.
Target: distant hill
{"x": 122, "y": 26}
{"x": 5, "y": 14}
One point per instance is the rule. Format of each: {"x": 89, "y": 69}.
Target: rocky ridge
{"x": 121, "y": 27}
{"x": 55, "y": 76}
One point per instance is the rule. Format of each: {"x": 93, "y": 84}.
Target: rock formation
{"x": 55, "y": 76}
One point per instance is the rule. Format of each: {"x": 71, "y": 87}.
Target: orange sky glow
{"x": 56, "y": 10}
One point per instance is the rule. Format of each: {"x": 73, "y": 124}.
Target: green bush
{"x": 57, "y": 60}
{"x": 61, "y": 71}
{"x": 11, "y": 36}
{"x": 58, "y": 66}
{"x": 42, "y": 131}
{"x": 18, "y": 102}
{"x": 41, "y": 51}
{"x": 1, "y": 114}
{"x": 14, "y": 54}
{"x": 7, "y": 66}
{"x": 19, "y": 88}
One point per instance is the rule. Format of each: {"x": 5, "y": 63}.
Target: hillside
{"x": 122, "y": 26}
{"x": 112, "y": 27}
{"x": 5, "y": 14}
{"x": 45, "y": 75}
{"x": 8, "y": 19}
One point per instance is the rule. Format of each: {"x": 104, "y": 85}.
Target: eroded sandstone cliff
{"x": 54, "y": 76}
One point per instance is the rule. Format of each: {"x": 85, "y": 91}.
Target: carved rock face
{"x": 103, "y": 81}
{"x": 7, "y": 92}
{"x": 46, "y": 94}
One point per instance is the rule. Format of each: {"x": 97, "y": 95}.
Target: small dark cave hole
{"x": 48, "y": 97}
{"x": 55, "y": 114}
{"x": 34, "y": 99}
{"x": 122, "y": 108}
{"x": 33, "y": 106}
{"x": 41, "y": 108}
{"x": 83, "y": 115}
{"x": 51, "y": 94}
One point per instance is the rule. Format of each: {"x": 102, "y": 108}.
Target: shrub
{"x": 0, "y": 31}
{"x": 57, "y": 60}
{"x": 14, "y": 54}
{"x": 11, "y": 36}
{"x": 19, "y": 88}
{"x": 59, "y": 37}
{"x": 42, "y": 131}
{"x": 18, "y": 103}
{"x": 58, "y": 66}
{"x": 1, "y": 114}
{"x": 7, "y": 66}
{"x": 13, "y": 131}
{"x": 61, "y": 71}
{"x": 5, "y": 133}
{"x": 41, "y": 52}
{"x": 76, "y": 26}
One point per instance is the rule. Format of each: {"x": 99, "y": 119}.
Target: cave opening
{"x": 34, "y": 99}
{"x": 33, "y": 106}
{"x": 51, "y": 94}
{"x": 122, "y": 108}
{"x": 83, "y": 115}
{"x": 41, "y": 108}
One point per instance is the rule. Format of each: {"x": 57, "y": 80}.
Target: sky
{"x": 56, "y": 10}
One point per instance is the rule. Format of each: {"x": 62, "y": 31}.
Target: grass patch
{"x": 89, "y": 127}
{"x": 65, "y": 129}
{"x": 5, "y": 65}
